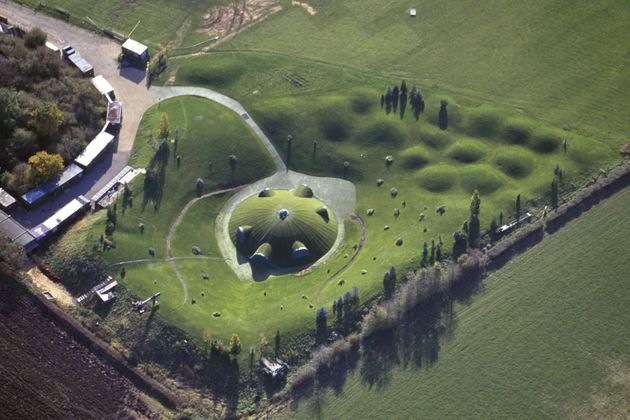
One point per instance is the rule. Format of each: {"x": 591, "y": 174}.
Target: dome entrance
{"x": 285, "y": 228}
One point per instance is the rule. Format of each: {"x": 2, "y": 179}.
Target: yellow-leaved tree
{"x": 164, "y": 126}
{"x": 45, "y": 166}
{"x": 46, "y": 119}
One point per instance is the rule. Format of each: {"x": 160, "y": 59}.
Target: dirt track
{"x": 45, "y": 373}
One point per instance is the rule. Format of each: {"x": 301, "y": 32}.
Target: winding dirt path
{"x": 355, "y": 218}
{"x": 171, "y": 232}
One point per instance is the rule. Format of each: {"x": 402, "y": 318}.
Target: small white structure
{"x": 7, "y": 202}
{"x": 105, "y": 293}
{"x": 135, "y": 52}
{"x": 275, "y": 369}
{"x": 412, "y": 12}
{"x": 59, "y": 219}
{"x": 93, "y": 150}
{"x": 103, "y": 86}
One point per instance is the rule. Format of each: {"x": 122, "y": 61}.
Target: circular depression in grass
{"x": 466, "y": 152}
{"x": 517, "y": 164}
{"x": 545, "y": 142}
{"x": 517, "y": 131}
{"x": 483, "y": 178}
{"x": 333, "y": 123}
{"x": 437, "y": 141}
{"x": 413, "y": 158}
{"x": 381, "y": 132}
{"x": 362, "y": 102}
{"x": 437, "y": 178}
{"x": 286, "y": 228}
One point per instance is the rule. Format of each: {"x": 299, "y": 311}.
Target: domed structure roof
{"x": 283, "y": 227}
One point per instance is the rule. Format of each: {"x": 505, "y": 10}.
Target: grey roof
{"x": 114, "y": 112}
{"x": 6, "y": 199}
{"x": 80, "y": 62}
{"x": 71, "y": 172}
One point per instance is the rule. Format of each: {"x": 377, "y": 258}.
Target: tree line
{"x": 45, "y": 106}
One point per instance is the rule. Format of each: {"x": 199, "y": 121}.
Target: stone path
{"x": 164, "y": 92}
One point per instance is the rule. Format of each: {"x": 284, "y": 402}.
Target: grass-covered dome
{"x": 283, "y": 227}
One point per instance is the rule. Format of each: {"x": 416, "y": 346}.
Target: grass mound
{"x": 362, "y": 102}
{"x": 546, "y": 141}
{"x": 220, "y": 74}
{"x": 381, "y": 132}
{"x": 466, "y": 152}
{"x": 413, "y": 158}
{"x": 282, "y": 221}
{"x": 517, "y": 131}
{"x": 482, "y": 178}
{"x": 334, "y": 124}
{"x": 484, "y": 121}
{"x": 515, "y": 163}
{"x": 435, "y": 140}
{"x": 437, "y": 178}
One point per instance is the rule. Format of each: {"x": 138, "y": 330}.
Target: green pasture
{"x": 545, "y": 337}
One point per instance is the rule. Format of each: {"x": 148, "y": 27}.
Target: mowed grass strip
{"x": 546, "y": 337}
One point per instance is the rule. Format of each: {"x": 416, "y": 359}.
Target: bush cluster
{"x": 45, "y": 105}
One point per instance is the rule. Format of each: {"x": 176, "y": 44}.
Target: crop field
{"x": 545, "y": 337}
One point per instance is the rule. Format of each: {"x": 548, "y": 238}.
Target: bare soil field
{"x": 231, "y": 19}
{"x": 48, "y": 374}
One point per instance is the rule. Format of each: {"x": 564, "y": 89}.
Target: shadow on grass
{"x": 413, "y": 343}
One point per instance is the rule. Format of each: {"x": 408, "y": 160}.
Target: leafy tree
{"x": 321, "y": 323}
{"x": 460, "y": 241}
{"x": 164, "y": 126}
{"x": 46, "y": 119}
{"x": 443, "y": 115}
{"x": 127, "y": 197}
{"x": 233, "y": 161}
{"x": 277, "y": 344}
{"x": 263, "y": 344}
{"x": 494, "y": 230}
{"x": 518, "y": 208}
{"x": 10, "y": 112}
{"x": 199, "y": 186}
{"x": 339, "y": 307}
{"x": 438, "y": 252}
{"x": 425, "y": 254}
{"x": 35, "y": 38}
{"x": 252, "y": 354}
{"x": 389, "y": 285}
{"x": 11, "y": 255}
{"x": 123, "y": 272}
{"x": 501, "y": 215}
{"x": 403, "y": 88}
{"x": 235, "y": 345}
{"x": 554, "y": 192}
{"x": 473, "y": 222}
{"x": 432, "y": 254}
{"x": 45, "y": 166}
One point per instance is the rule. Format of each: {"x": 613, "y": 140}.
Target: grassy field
{"x": 546, "y": 337}
{"x": 208, "y": 133}
{"x": 555, "y": 60}
{"x": 157, "y": 22}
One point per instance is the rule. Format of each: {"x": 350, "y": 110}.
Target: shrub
{"x": 303, "y": 379}
{"x": 35, "y": 38}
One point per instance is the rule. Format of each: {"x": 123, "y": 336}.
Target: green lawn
{"x": 547, "y": 336}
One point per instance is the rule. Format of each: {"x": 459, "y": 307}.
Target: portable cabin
{"x": 60, "y": 219}
{"x": 94, "y": 150}
{"x": 104, "y": 87}
{"x": 42, "y": 192}
{"x": 135, "y": 53}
